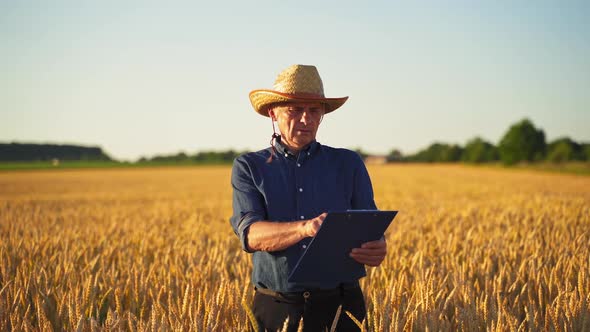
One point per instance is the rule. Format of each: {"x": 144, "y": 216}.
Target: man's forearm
{"x": 275, "y": 236}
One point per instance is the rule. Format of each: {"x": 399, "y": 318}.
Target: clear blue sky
{"x": 145, "y": 78}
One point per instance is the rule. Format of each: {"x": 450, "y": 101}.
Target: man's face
{"x": 298, "y": 122}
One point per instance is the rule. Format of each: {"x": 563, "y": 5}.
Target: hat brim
{"x": 262, "y": 99}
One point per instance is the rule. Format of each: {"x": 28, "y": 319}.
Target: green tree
{"x": 561, "y": 152}
{"x": 438, "y": 152}
{"x": 586, "y": 151}
{"x": 479, "y": 151}
{"x": 179, "y": 157}
{"x": 451, "y": 153}
{"x": 395, "y": 155}
{"x": 565, "y": 149}
{"x": 522, "y": 142}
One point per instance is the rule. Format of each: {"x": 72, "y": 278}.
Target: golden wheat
{"x": 152, "y": 249}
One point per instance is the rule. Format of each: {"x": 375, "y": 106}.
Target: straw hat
{"x": 299, "y": 83}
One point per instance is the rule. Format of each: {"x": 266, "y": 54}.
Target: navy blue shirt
{"x": 294, "y": 187}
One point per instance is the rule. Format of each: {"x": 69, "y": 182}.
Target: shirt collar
{"x": 310, "y": 149}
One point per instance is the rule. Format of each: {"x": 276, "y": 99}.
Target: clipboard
{"x": 326, "y": 258}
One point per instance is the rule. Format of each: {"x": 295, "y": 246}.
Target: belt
{"x": 308, "y": 294}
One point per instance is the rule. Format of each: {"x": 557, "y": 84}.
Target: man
{"x": 280, "y": 198}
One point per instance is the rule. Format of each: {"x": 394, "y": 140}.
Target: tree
{"x": 565, "y": 149}
{"x": 395, "y": 155}
{"x": 479, "y": 151}
{"x": 522, "y": 142}
{"x": 586, "y": 151}
{"x": 451, "y": 153}
{"x": 438, "y": 152}
{"x": 560, "y": 152}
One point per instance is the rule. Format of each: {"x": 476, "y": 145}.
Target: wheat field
{"x": 472, "y": 249}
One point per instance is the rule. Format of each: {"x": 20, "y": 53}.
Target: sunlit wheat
{"x": 152, "y": 249}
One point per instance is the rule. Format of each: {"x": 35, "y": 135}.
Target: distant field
{"x": 581, "y": 168}
{"x": 473, "y": 248}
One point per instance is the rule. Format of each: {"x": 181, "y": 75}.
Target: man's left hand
{"x": 370, "y": 253}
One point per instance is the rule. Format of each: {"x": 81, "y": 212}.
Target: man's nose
{"x": 306, "y": 117}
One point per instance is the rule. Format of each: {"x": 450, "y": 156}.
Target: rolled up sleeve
{"x": 248, "y": 202}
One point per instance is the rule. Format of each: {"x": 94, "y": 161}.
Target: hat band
{"x": 303, "y": 95}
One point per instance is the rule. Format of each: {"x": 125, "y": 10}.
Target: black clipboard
{"x": 326, "y": 258}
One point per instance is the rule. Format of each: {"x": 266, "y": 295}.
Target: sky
{"x": 142, "y": 78}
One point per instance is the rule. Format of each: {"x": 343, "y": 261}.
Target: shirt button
{"x": 300, "y": 190}
{"x": 286, "y": 154}
{"x": 298, "y": 165}
{"x": 308, "y": 153}
{"x": 302, "y": 217}
{"x": 304, "y": 246}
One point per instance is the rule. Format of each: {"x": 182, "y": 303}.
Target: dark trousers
{"x": 318, "y": 310}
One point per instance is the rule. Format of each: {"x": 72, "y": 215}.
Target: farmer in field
{"x": 280, "y": 196}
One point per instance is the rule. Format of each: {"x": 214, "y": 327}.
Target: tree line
{"x": 523, "y": 142}
{"x": 28, "y": 152}
{"x": 50, "y": 152}
{"x": 205, "y": 157}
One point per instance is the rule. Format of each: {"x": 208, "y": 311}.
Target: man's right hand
{"x": 311, "y": 226}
